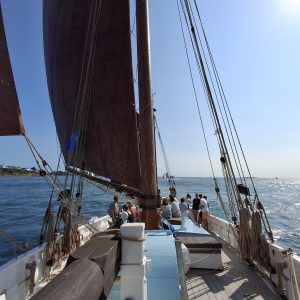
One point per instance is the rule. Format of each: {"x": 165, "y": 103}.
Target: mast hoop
{"x": 153, "y": 207}
{"x": 150, "y": 197}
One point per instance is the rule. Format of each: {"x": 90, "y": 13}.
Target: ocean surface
{"x": 23, "y": 202}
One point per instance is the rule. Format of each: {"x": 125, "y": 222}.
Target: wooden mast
{"x": 147, "y": 138}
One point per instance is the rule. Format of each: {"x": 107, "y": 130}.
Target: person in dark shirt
{"x": 196, "y": 206}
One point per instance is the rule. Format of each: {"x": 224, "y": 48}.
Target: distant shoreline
{"x": 21, "y": 172}
{"x": 17, "y": 172}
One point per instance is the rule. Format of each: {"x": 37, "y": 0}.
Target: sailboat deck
{"x": 236, "y": 281}
{"x": 162, "y": 276}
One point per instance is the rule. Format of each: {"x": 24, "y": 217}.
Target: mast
{"x": 147, "y": 139}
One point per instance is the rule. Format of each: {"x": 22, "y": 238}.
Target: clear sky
{"x": 256, "y": 48}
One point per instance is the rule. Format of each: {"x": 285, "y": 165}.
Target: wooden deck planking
{"x": 237, "y": 281}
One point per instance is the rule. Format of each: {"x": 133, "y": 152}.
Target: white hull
{"x": 14, "y": 277}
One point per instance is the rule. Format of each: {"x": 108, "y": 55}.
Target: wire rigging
{"x": 206, "y": 88}
{"x": 232, "y": 127}
{"x": 195, "y": 93}
{"x": 222, "y": 96}
{"x": 227, "y": 128}
{"x": 214, "y": 92}
{"x": 168, "y": 169}
{"x": 217, "y": 189}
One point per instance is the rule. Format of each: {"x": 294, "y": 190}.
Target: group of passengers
{"x": 198, "y": 208}
{"x": 127, "y": 214}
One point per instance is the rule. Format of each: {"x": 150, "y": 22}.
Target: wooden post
{"x": 147, "y": 139}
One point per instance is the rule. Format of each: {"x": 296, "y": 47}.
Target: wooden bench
{"x": 204, "y": 249}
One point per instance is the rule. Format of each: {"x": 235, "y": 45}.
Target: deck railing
{"x": 285, "y": 266}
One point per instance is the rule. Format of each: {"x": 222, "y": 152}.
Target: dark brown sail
{"x": 89, "y": 71}
{"x": 10, "y": 115}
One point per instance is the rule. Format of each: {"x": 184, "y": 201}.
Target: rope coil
{"x": 32, "y": 268}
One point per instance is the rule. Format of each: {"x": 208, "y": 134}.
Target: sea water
{"x": 23, "y": 202}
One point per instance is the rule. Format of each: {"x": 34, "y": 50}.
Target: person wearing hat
{"x": 113, "y": 209}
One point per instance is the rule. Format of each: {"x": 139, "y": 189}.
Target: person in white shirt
{"x": 205, "y": 211}
{"x": 174, "y": 208}
{"x": 124, "y": 213}
{"x": 166, "y": 209}
{"x": 188, "y": 200}
{"x": 175, "y": 199}
{"x": 183, "y": 206}
{"x": 184, "y": 210}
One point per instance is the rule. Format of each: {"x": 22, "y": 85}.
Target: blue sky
{"x": 256, "y": 48}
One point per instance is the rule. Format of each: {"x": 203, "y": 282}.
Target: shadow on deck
{"x": 236, "y": 281}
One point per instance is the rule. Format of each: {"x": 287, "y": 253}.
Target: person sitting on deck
{"x": 132, "y": 209}
{"x": 125, "y": 214}
{"x": 174, "y": 208}
{"x": 166, "y": 209}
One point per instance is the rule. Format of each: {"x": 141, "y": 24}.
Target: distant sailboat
{"x": 166, "y": 176}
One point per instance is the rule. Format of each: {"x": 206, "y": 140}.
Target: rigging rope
{"x": 223, "y": 96}
{"x": 50, "y": 207}
{"x": 194, "y": 89}
{"x": 203, "y": 83}
{"x": 168, "y": 169}
{"x": 71, "y": 235}
{"x": 69, "y": 210}
{"x": 21, "y": 246}
{"x": 229, "y": 116}
{"x": 234, "y": 191}
{"x": 244, "y": 237}
{"x": 231, "y": 144}
{"x": 222, "y": 144}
